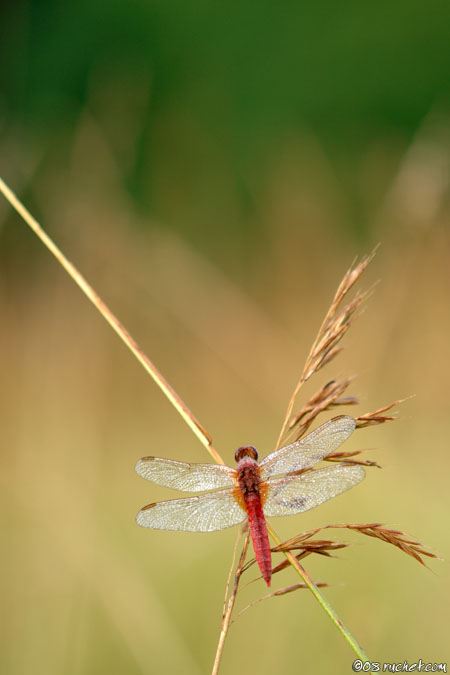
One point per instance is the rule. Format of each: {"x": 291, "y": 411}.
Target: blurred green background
{"x": 213, "y": 168}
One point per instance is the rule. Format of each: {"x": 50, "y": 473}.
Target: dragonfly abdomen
{"x": 259, "y": 534}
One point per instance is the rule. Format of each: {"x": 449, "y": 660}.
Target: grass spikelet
{"x": 396, "y": 538}
{"x": 335, "y": 325}
{"x": 376, "y": 416}
{"x": 327, "y": 397}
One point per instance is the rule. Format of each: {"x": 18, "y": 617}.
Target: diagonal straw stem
{"x": 114, "y": 322}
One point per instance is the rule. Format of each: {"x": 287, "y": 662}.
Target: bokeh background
{"x": 213, "y": 169}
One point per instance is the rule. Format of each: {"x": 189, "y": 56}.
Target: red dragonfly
{"x": 276, "y": 486}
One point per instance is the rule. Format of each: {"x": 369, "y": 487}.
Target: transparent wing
{"x": 309, "y": 450}
{"x": 184, "y": 476}
{"x": 204, "y": 513}
{"x": 291, "y": 495}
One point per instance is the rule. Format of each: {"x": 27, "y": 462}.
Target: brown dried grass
{"x": 396, "y": 538}
{"x": 325, "y": 348}
{"x": 333, "y": 394}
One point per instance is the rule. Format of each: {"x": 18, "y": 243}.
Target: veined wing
{"x": 296, "y": 494}
{"x": 203, "y": 513}
{"x": 308, "y": 450}
{"x": 184, "y": 476}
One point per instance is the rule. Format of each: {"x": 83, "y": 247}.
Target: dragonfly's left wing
{"x": 203, "y": 513}
{"x": 290, "y": 495}
{"x": 184, "y": 476}
{"x": 308, "y": 450}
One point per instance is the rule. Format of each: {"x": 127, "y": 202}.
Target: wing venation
{"x": 308, "y": 450}
{"x": 184, "y": 476}
{"x": 203, "y": 513}
{"x": 290, "y": 495}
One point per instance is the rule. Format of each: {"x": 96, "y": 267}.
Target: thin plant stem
{"x": 359, "y": 651}
{"x": 275, "y": 594}
{"x": 229, "y": 610}
{"x": 113, "y": 321}
{"x": 233, "y": 560}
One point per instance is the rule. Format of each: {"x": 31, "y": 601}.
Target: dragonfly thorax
{"x": 246, "y": 451}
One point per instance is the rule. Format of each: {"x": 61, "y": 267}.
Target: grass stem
{"x": 114, "y": 322}
{"x": 359, "y": 651}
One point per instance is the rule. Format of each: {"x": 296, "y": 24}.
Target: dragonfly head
{"x": 246, "y": 451}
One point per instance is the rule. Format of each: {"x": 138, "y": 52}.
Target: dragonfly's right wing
{"x": 308, "y": 450}
{"x": 204, "y": 513}
{"x": 295, "y": 494}
{"x": 184, "y": 476}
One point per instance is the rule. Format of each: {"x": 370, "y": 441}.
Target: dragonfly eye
{"x": 246, "y": 451}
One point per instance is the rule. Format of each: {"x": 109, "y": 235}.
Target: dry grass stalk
{"x": 327, "y": 397}
{"x": 277, "y": 593}
{"x": 325, "y": 547}
{"x": 395, "y": 537}
{"x": 226, "y": 618}
{"x": 239, "y": 568}
{"x": 177, "y": 402}
{"x": 348, "y": 458}
{"x": 376, "y": 416}
{"x": 320, "y": 547}
{"x": 306, "y": 546}
{"x": 326, "y": 345}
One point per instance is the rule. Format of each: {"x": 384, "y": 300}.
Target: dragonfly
{"x": 281, "y": 484}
